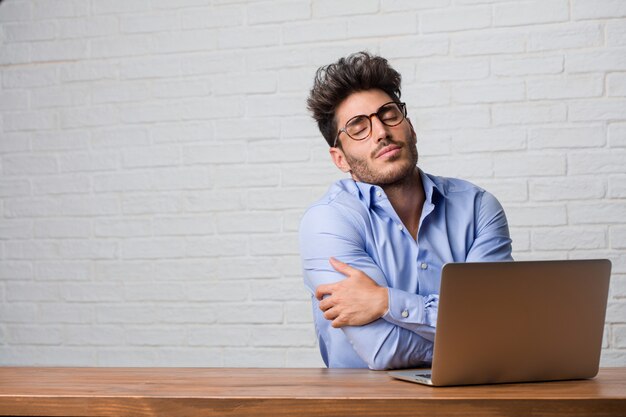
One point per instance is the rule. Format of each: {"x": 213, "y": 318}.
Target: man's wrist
{"x": 384, "y": 301}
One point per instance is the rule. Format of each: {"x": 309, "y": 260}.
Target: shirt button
{"x": 400, "y": 227}
{"x": 378, "y": 193}
{"x": 424, "y": 265}
{"x": 405, "y": 313}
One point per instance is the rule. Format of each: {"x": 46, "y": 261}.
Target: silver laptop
{"x": 517, "y": 322}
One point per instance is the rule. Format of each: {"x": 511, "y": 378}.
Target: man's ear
{"x": 339, "y": 158}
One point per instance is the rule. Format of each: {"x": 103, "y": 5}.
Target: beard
{"x": 362, "y": 170}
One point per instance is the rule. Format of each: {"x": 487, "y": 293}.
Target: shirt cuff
{"x": 413, "y": 312}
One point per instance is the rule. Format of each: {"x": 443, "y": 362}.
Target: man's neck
{"x": 407, "y": 198}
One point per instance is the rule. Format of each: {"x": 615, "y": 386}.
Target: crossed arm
{"x": 354, "y": 301}
{"x": 353, "y": 295}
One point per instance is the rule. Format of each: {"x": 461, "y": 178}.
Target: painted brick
{"x": 453, "y": 69}
{"x": 119, "y": 6}
{"x": 590, "y": 9}
{"x": 488, "y": 92}
{"x": 330, "y": 8}
{"x": 245, "y": 83}
{"x": 596, "y": 212}
{"x": 257, "y": 313}
{"x": 529, "y": 165}
{"x": 617, "y": 186}
{"x": 618, "y": 237}
{"x": 597, "y": 161}
{"x": 414, "y": 46}
{"x": 610, "y": 59}
{"x": 616, "y": 84}
{"x": 65, "y": 184}
{"x": 568, "y": 188}
{"x": 594, "y": 110}
{"x": 249, "y": 222}
{"x": 397, "y": 5}
{"x": 525, "y": 12}
{"x": 227, "y": 336}
{"x": 29, "y": 164}
{"x": 147, "y": 291}
{"x": 462, "y": 18}
{"x": 214, "y": 154}
{"x": 57, "y": 228}
{"x": 213, "y": 17}
{"x": 15, "y": 54}
{"x": 570, "y": 87}
{"x": 214, "y": 201}
{"x": 488, "y": 140}
{"x": 216, "y": 246}
{"x": 566, "y": 137}
{"x": 615, "y": 33}
{"x": 17, "y": 32}
{"x": 89, "y": 161}
{"x": 530, "y": 65}
{"x": 16, "y": 11}
{"x": 59, "y": 50}
{"x": 90, "y": 335}
{"x": 526, "y": 113}
{"x": 30, "y": 121}
{"x": 568, "y": 238}
{"x": 57, "y": 96}
{"x": 565, "y": 37}
{"x": 254, "y": 357}
{"x": 454, "y": 118}
{"x": 127, "y": 227}
{"x": 142, "y": 23}
{"x": 184, "y": 226}
{"x": 248, "y": 37}
{"x": 16, "y": 270}
{"x": 617, "y": 134}
{"x": 248, "y": 267}
{"x": 493, "y": 42}
{"x": 217, "y": 292}
{"x": 64, "y": 271}
{"x": 382, "y": 25}
{"x": 268, "y": 336}
{"x": 544, "y": 215}
{"x": 88, "y": 27}
{"x": 314, "y": 31}
{"x": 14, "y": 188}
{"x": 254, "y": 176}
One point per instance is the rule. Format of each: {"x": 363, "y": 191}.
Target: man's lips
{"x": 386, "y": 150}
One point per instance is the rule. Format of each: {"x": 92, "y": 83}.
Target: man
{"x": 373, "y": 247}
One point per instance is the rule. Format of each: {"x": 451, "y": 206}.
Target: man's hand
{"x": 354, "y": 301}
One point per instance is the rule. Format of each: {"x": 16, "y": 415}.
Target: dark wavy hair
{"x": 335, "y": 82}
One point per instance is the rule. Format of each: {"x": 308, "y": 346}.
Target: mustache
{"x": 382, "y": 144}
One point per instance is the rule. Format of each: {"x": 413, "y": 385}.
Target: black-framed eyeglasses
{"x": 360, "y": 127}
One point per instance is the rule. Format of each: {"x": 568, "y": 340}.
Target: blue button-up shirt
{"x": 355, "y": 223}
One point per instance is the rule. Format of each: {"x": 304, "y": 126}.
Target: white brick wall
{"x": 156, "y": 156}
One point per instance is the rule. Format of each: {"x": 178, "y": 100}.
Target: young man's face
{"x": 387, "y": 155}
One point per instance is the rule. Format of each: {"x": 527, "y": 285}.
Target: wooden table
{"x": 299, "y": 392}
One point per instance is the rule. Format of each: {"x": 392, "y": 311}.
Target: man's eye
{"x": 358, "y": 126}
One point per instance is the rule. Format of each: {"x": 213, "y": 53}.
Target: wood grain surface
{"x": 193, "y": 392}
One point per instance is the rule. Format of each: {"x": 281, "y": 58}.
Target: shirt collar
{"x": 371, "y": 193}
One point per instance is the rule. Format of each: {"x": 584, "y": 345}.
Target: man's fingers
{"x": 323, "y": 290}
{"x": 331, "y": 314}
{"x": 341, "y": 267}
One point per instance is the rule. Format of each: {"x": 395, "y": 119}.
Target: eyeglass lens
{"x": 359, "y": 127}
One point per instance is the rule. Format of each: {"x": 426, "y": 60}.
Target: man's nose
{"x": 379, "y": 129}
